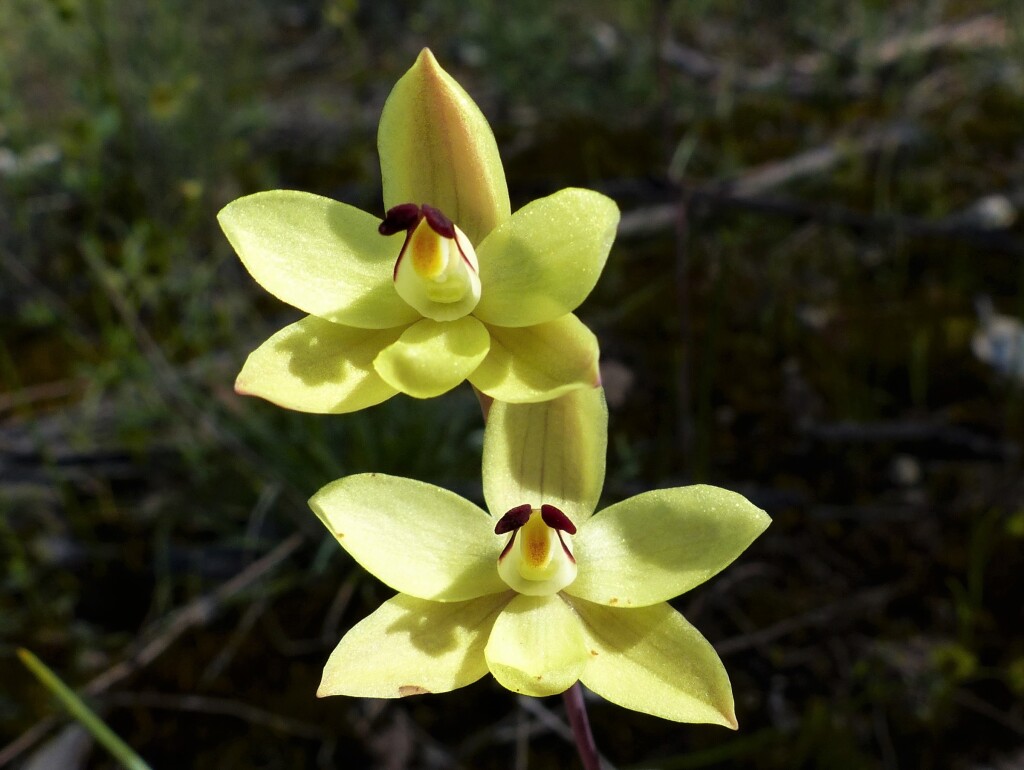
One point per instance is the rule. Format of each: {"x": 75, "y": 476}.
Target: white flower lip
{"x": 538, "y": 559}
{"x": 436, "y": 272}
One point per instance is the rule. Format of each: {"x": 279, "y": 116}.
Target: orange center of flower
{"x": 428, "y": 251}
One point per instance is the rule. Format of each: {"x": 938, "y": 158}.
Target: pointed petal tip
{"x": 241, "y": 388}
{"x": 426, "y": 64}
{"x": 728, "y": 718}
{"x": 436, "y": 147}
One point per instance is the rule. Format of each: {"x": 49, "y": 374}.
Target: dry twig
{"x": 160, "y": 636}
{"x": 799, "y": 76}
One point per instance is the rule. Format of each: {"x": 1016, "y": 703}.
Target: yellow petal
{"x": 412, "y": 647}
{"x": 537, "y": 363}
{"x": 317, "y": 366}
{"x": 536, "y": 646}
{"x": 432, "y": 357}
{"x": 322, "y": 256}
{"x": 436, "y": 147}
{"x": 550, "y": 452}
{"x": 652, "y": 660}
{"x": 544, "y": 261}
{"x": 417, "y": 538}
{"x": 655, "y": 546}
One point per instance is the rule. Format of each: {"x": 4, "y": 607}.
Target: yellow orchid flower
{"x": 544, "y": 594}
{"x": 474, "y": 292}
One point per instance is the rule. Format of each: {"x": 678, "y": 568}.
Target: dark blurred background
{"x": 813, "y": 300}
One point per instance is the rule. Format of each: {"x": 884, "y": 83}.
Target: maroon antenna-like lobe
{"x": 555, "y": 519}
{"x": 438, "y": 222}
{"x": 513, "y": 519}
{"x": 404, "y": 216}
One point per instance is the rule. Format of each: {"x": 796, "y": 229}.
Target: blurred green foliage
{"x": 807, "y": 344}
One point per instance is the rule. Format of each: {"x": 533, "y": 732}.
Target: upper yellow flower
{"x": 473, "y": 292}
{"x": 545, "y": 593}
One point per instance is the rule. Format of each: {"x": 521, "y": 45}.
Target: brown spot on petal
{"x": 412, "y": 689}
{"x": 614, "y": 600}
{"x": 594, "y": 653}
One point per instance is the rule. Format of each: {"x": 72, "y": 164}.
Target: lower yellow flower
{"x": 547, "y": 594}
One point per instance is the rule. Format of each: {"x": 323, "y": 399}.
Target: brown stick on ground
{"x": 159, "y": 636}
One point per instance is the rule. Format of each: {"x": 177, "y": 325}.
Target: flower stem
{"x": 577, "y": 711}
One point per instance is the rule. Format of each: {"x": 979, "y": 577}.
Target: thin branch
{"x": 818, "y": 160}
{"x": 974, "y": 703}
{"x": 819, "y": 616}
{"x": 204, "y": 704}
{"x": 802, "y": 75}
{"x": 160, "y": 636}
{"x": 760, "y": 179}
{"x": 197, "y": 612}
{"x": 27, "y": 740}
{"x": 651, "y": 220}
{"x": 47, "y": 391}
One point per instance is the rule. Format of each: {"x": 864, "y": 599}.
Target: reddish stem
{"x": 580, "y": 723}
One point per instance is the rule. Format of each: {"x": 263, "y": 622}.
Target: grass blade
{"x": 121, "y": 750}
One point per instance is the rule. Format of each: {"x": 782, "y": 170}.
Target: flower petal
{"x": 550, "y": 452}
{"x": 410, "y": 647}
{"x": 537, "y": 363}
{"x": 436, "y": 147}
{"x": 432, "y": 357}
{"x": 324, "y": 257}
{"x": 659, "y": 544}
{"x": 417, "y": 538}
{"x": 651, "y": 659}
{"x": 544, "y": 261}
{"x": 536, "y": 646}
{"x": 318, "y": 366}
